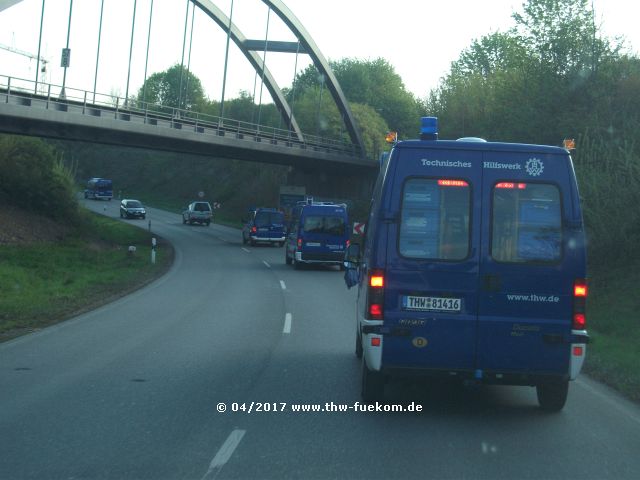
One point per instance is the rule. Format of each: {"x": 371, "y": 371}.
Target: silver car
{"x": 197, "y": 212}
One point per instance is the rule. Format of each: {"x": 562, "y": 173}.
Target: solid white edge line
{"x": 287, "y": 323}
{"x": 246, "y": 250}
{"x": 284, "y": 287}
{"x": 266, "y": 264}
{"x": 225, "y": 452}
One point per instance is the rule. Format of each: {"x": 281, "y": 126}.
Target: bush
{"x": 32, "y": 177}
{"x": 608, "y": 175}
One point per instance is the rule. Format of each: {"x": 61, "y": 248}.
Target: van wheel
{"x": 297, "y": 265}
{"x": 552, "y": 396}
{"x": 358, "y": 345}
{"x": 287, "y": 258}
{"x": 372, "y": 384}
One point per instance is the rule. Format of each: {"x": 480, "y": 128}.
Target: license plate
{"x": 440, "y": 304}
{"x": 313, "y": 244}
{"x": 263, "y": 229}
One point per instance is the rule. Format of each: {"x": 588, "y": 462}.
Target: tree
{"x": 373, "y": 83}
{"x": 492, "y": 53}
{"x": 164, "y": 88}
{"x": 562, "y": 34}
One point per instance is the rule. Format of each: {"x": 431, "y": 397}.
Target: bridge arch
{"x": 308, "y": 46}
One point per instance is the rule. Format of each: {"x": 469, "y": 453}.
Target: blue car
{"x": 265, "y": 225}
{"x": 318, "y": 234}
{"x": 473, "y": 267}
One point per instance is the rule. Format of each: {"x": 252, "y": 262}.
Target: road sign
{"x": 65, "y": 58}
{"x": 358, "y": 228}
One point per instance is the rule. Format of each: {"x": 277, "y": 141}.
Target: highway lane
{"x": 131, "y": 390}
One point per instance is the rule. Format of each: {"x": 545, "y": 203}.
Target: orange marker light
{"x": 376, "y": 281}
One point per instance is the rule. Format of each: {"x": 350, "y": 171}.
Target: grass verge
{"x": 614, "y": 327}
{"x": 45, "y": 283}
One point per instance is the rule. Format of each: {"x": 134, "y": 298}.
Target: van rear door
{"x": 431, "y": 268}
{"x": 525, "y": 302}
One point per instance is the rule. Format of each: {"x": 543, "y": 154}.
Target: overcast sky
{"x": 420, "y": 38}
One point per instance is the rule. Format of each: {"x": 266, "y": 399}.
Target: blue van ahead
{"x": 473, "y": 266}
{"x": 265, "y": 225}
{"x": 318, "y": 234}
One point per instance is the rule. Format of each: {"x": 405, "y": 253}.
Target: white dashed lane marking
{"x": 287, "y": 323}
{"x": 224, "y": 454}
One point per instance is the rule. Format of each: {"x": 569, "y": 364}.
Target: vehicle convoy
{"x": 318, "y": 234}
{"x": 197, "y": 212}
{"x": 265, "y": 225}
{"x": 99, "y": 189}
{"x": 473, "y": 266}
{"x": 130, "y": 208}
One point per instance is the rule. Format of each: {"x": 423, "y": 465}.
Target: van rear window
{"x": 435, "y": 219}
{"x": 526, "y": 222}
{"x": 269, "y": 218}
{"x": 324, "y": 224}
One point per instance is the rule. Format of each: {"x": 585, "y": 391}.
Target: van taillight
{"x": 299, "y": 244}
{"x": 579, "y": 304}
{"x": 375, "y": 295}
{"x": 254, "y": 229}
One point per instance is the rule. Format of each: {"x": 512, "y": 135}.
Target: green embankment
{"x": 42, "y": 284}
{"x": 614, "y": 326}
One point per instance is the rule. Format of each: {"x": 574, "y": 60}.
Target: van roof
{"x": 481, "y": 146}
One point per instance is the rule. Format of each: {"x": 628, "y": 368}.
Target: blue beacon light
{"x": 429, "y": 128}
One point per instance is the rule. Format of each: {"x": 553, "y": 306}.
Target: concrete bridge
{"x": 30, "y": 106}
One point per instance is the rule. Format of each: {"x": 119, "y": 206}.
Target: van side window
{"x": 435, "y": 219}
{"x": 526, "y": 222}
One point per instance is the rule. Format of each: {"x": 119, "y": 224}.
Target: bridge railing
{"x": 50, "y": 96}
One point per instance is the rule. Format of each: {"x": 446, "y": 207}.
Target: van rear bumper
{"x": 486, "y": 377}
{"x": 321, "y": 257}
{"x": 266, "y": 239}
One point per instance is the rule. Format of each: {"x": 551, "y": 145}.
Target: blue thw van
{"x": 318, "y": 234}
{"x": 99, "y": 189}
{"x": 473, "y": 266}
{"x": 266, "y": 225}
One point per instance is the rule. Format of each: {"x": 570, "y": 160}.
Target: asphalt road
{"x": 133, "y": 389}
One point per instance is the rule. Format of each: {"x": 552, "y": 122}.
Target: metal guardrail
{"x": 50, "y": 96}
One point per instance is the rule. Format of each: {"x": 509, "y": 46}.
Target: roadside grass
{"x": 45, "y": 283}
{"x": 613, "y": 356}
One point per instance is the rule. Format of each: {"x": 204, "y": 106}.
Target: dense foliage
{"x": 33, "y": 177}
